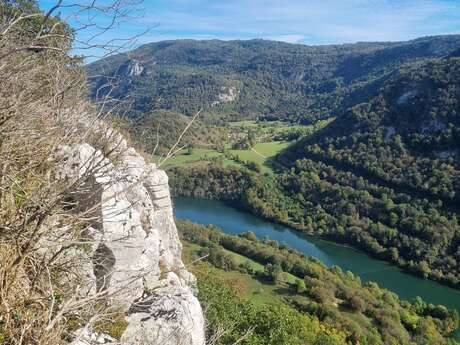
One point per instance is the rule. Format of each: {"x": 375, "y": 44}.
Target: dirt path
{"x": 258, "y": 153}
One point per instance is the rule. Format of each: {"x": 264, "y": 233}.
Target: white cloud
{"x": 294, "y": 38}
{"x": 304, "y": 21}
{"x": 325, "y": 21}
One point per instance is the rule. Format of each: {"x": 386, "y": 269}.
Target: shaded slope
{"x": 248, "y": 79}
{"x": 385, "y": 176}
{"x": 408, "y": 134}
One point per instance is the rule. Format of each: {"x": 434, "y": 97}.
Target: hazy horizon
{"x": 296, "y": 21}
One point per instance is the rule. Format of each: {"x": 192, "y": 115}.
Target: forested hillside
{"x": 392, "y": 165}
{"x": 384, "y": 176}
{"x": 289, "y": 298}
{"x": 256, "y": 78}
{"x": 408, "y": 134}
{"x": 157, "y": 131}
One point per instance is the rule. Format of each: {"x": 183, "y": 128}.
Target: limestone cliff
{"x": 137, "y": 251}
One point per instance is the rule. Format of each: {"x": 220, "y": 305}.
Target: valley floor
{"x": 261, "y": 154}
{"x": 340, "y": 303}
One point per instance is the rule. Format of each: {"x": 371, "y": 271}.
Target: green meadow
{"x": 261, "y": 153}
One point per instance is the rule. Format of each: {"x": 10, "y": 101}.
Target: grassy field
{"x": 240, "y": 259}
{"x": 183, "y": 157}
{"x": 269, "y": 127}
{"x": 261, "y": 153}
{"x": 261, "y": 292}
{"x": 272, "y": 148}
{"x": 268, "y": 135}
{"x": 246, "y": 285}
{"x": 258, "y": 290}
{"x": 244, "y": 123}
{"x": 269, "y": 140}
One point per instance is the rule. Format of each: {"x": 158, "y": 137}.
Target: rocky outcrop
{"x": 228, "y": 94}
{"x": 136, "y": 251}
{"x": 405, "y": 97}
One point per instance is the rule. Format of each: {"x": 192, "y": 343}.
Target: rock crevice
{"x": 136, "y": 250}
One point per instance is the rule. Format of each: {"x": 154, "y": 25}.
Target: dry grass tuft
{"x": 45, "y": 292}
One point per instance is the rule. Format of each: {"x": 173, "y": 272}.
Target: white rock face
{"x": 389, "y": 132}
{"x": 432, "y": 126}
{"x": 88, "y": 338}
{"x": 405, "y": 97}
{"x": 171, "y": 313}
{"x": 227, "y": 95}
{"x": 135, "y": 68}
{"x": 137, "y": 249}
{"x": 446, "y": 154}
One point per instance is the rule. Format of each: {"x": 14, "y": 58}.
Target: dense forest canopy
{"x": 257, "y": 78}
{"x": 348, "y": 310}
{"x": 407, "y": 134}
{"x": 384, "y": 176}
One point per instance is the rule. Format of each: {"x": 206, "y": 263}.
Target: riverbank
{"x": 367, "y": 313}
{"x": 234, "y": 221}
{"x": 410, "y": 233}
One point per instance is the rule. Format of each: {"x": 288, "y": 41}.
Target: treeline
{"x": 157, "y": 131}
{"x": 329, "y": 294}
{"x": 232, "y": 319}
{"x": 313, "y": 197}
{"x": 246, "y": 133}
{"x": 385, "y": 177}
{"x": 270, "y": 79}
{"x": 417, "y": 234}
{"x": 260, "y": 194}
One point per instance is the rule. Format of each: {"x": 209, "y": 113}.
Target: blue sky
{"x": 296, "y": 21}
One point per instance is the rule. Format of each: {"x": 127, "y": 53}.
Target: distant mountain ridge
{"x": 258, "y": 78}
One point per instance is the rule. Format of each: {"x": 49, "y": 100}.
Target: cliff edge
{"x": 136, "y": 251}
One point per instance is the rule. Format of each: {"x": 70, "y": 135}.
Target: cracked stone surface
{"x": 137, "y": 237}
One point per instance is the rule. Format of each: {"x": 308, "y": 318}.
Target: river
{"x": 233, "y": 221}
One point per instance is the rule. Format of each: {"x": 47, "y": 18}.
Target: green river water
{"x": 233, "y": 221}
